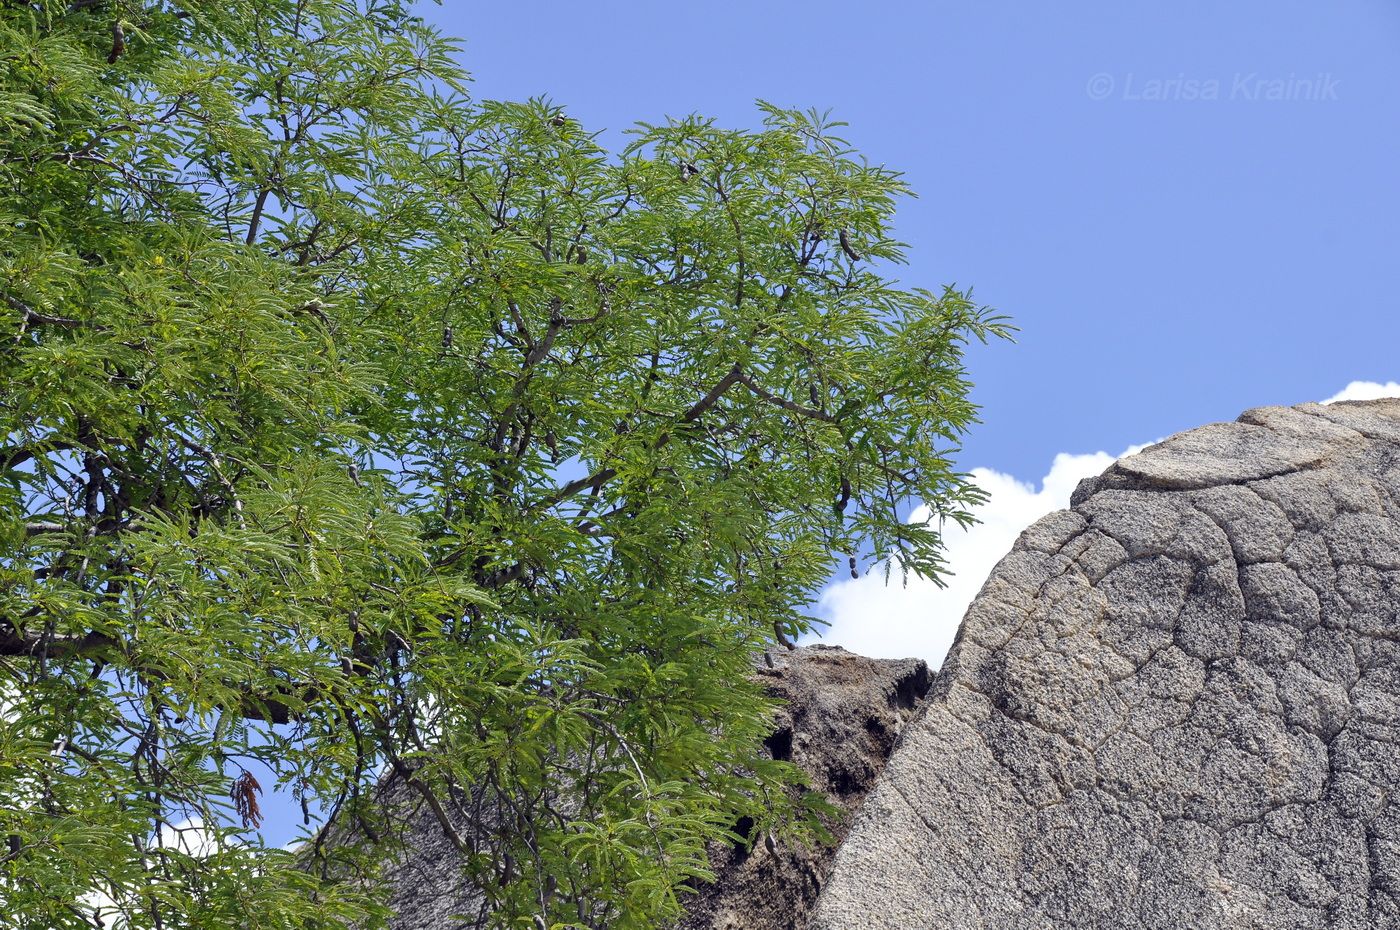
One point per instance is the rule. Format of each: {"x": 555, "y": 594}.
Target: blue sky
{"x": 1170, "y": 261}
{"x": 1175, "y": 245}
{"x": 1188, "y": 210}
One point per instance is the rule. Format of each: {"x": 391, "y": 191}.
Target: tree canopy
{"x": 355, "y": 426}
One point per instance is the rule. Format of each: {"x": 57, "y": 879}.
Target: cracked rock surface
{"x": 1176, "y": 704}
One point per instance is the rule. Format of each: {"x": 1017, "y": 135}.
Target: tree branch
{"x": 809, "y": 412}
{"x": 20, "y": 644}
{"x": 42, "y": 526}
{"x": 32, "y": 316}
{"x": 697, "y": 410}
{"x": 273, "y": 708}
{"x": 256, "y": 219}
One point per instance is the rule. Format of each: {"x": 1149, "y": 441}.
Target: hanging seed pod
{"x": 846, "y": 247}
{"x": 118, "y": 42}
{"x": 851, "y": 560}
{"x": 245, "y": 793}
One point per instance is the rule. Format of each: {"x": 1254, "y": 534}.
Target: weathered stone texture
{"x": 841, "y": 715}
{"x": 1176, "y": 704}
{"x": 839, "y": 719}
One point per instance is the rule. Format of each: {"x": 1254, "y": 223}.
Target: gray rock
{"x": 838, "y": 721}
{"x": 1176, "y": 704}
{"x": 840, "y": 718}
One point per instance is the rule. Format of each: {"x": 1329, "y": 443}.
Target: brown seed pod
{"x": 846, "y": 247}
{"x": 245, "y": 793}
{"x": 118, "y": 42}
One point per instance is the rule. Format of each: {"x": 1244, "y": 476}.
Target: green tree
{"x": 352, "y": 425}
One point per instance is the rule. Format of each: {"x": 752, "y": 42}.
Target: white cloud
{"x": 1365, "y": 390}
{"x": 190, "y": 837}
{"x": 919, "y": 619}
